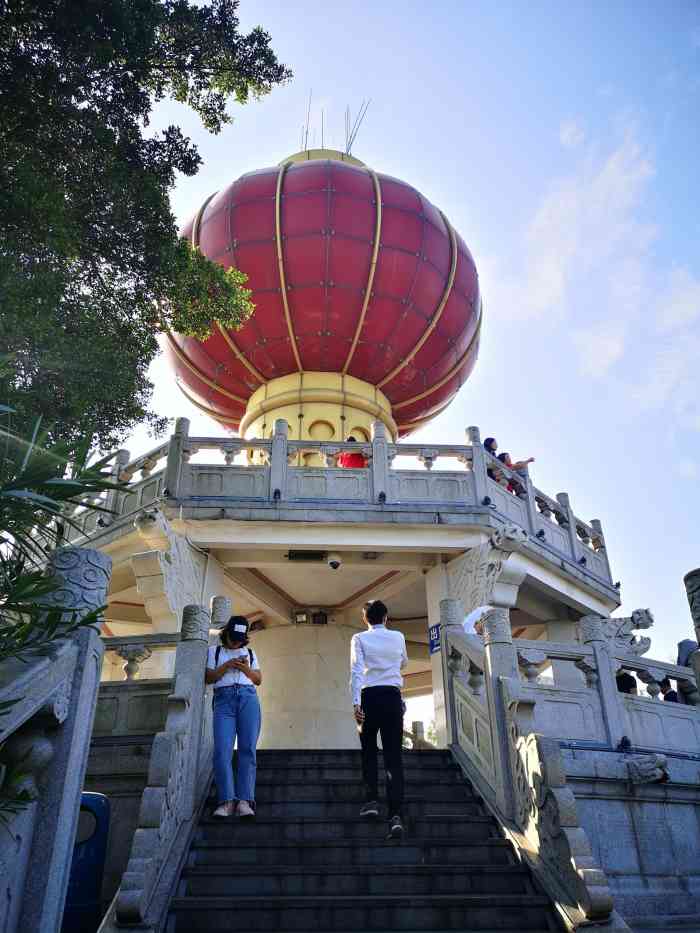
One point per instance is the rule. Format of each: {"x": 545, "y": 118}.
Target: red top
{"x": 327, "y": 228}
{"x": 352, "y": 461}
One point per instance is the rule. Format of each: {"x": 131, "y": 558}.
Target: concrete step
{"x": 344, "y": 792}
{"x": 448, "y": 912}
{"x": 350, "y": 853}
{"x": 282, "y": 829}
{"x": 323, "y": 809}
{"x": 362, "y": 881}
{"x": 347, "y": 758}
{"x": 425, "y": 777}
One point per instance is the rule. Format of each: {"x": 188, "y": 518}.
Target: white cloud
{"x": 571, "y": 134}
{"x": 587, "y": 232}
{"x": 680, "y": 306}
{"x": 688, "y": 469}
{"x": 599, "y": 349}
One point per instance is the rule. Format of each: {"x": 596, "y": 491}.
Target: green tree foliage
{"x": 41, "y": 484}
{"x": 91, "y": 266}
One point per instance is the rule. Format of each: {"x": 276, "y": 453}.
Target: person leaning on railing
{"x": 352, "y": 459}
{"x": 234, "y": 670}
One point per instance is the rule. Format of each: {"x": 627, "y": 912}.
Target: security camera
{"x": 334, "y": 560}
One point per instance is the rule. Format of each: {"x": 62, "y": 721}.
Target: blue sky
{"x": 563, "y": 142}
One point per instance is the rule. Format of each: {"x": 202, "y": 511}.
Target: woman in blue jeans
{"x": 233, "y": 669}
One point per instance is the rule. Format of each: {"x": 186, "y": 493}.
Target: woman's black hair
{"x": 351, "y": 440}
{"x": 229, "y": 629}
{"x": 376, "y": 611}
{"x": 488, "y": 444}
{"x": 502, "y": 457}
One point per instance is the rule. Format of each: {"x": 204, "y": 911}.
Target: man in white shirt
{"x": 377, "y": 657}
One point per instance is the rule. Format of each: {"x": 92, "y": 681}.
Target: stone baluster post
{"x": 563, "y": 500}
{"x": 500, "y": 661}
{"x": 114, "y": 497}
{"x": 83, "y": 576}
{"x": 221, "y": 611}
{"x": 451, "y": 618}
{"x": 478, "y": 465}
{"x": 278, "y": 461}
{"x": 598, "y": 528}
{"x": 190, "y": 665}
{"x": 173, "y": 468}
{"x": 380, "y": 462}
{"x": 591, "y": 629}
{"x": 524, "y": 476}
{"x": 692, "y": 589}
{"x": 134, "y": 655}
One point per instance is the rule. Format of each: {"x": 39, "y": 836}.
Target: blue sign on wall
{"x": 434, "y": 638}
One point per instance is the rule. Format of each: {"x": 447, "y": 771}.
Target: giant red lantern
{"x": 354, "y": 274}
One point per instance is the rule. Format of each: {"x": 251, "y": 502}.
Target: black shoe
{"x": 395, "y": 827}
{"x": 371, "y": 808}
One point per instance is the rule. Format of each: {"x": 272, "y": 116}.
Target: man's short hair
{"x": 376, "y": 611}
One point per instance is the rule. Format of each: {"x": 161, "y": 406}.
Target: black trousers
{"x": 383, "y": 709}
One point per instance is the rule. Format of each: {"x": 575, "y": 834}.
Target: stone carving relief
{"x": 545, "y": 813}
{"x": 619, "y": 633}
{"x": 472, "y": 577}
{"x": 84, "y": 576}
{"x": 170, "y": 575}
{"x": 648, "y": 769}
{"x": 692, "y": 588}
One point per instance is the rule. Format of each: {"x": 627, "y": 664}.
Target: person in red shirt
{"x": 350, "y": 459}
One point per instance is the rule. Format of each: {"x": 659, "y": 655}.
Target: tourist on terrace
{"x": 377, "y": 657}
{"x": 670, "y": 695}
{"x": 351, "y": 459}
{"x": 234, "y": 670}
{"x": 491, "y": 446}
{"x": 512, "y": 484}
{"x": 626, "y": 683}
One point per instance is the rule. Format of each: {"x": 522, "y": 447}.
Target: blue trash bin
{"x": 83, "y": 910}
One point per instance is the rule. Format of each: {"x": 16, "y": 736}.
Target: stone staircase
{"x": 310, "y": 863}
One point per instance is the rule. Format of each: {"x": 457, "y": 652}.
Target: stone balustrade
{"x": 228, "y": 473}
{"x": 44, "y": 742}
{"x": 136, "y": 649}
{"x": 522, "y": 712}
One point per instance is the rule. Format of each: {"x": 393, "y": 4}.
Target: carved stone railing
{"x": 178, "y": 781}
{"x": 519, "y": 773}
{"x": 277, "y": 472}
{"x": 44, "y": 742}
{"x": 134, "y": 650}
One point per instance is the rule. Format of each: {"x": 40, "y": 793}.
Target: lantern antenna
{"x": 308, "y": 119}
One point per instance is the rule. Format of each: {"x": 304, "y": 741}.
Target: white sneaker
{"x": 224, "y": 809}
{"x": 245, "y": 811}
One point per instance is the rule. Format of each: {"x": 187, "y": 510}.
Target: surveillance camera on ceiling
{"x": 334, "y": 560}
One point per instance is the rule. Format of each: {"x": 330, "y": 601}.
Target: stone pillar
{"x": 83, "y": 576}
{"x": 500, "y": 661}
{"x": 173, "y": 468}
{"x": 478, "y": 465}
{"x": 278, "y": 461}
{"x": 565, "y": 673}
{"x": 380, "y": 462}
{"x": 436, "y": 593}
{"x": 563, "y": 500}
{"x": 305, "y": 693}
{"x": 113, "y": 499}
{"x": 692, "y": 589}
{"x": 591, "y": 629}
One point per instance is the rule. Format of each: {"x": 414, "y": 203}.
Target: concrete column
{"x": 278, "y": 461}
{"x": 305, "y": 693}
{"x": 173, "y": 467}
